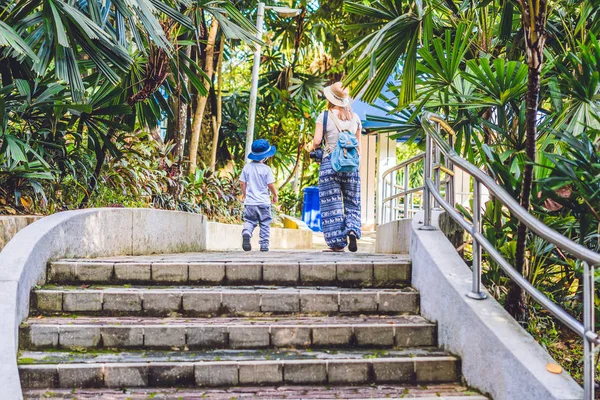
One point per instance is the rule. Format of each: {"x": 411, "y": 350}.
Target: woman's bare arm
{"x": 318, "y": 136}
{"x": 358, "y": 137}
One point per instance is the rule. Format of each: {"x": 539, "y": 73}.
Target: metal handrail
{"x": 511, "y": 204}
{"x": 544, "y": 301}
{"x": 436, "y": 144}
{"x": 403, "y": 164}
{"x": 403, "y": 193}
{"x": 391, "y": 192}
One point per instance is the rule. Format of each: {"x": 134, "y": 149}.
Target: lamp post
{"x": 283, "y": 12}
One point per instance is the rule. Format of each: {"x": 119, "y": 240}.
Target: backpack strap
{"x": 336, "y": 122}
{"x": 325, "y": 117}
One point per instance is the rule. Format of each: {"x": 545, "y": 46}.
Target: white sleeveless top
{"x": 332, "y": 134}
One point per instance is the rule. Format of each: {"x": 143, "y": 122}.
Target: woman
{"x": 339, "y": 192}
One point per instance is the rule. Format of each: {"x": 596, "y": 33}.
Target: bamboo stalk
{"x": 218, "y": 115}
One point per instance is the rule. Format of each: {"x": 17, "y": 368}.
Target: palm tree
{"x": 119, "y": 53}
{"x": 63, "y": 33}
{"x": 393, "y": 21}
{"x": 533, "y": 17}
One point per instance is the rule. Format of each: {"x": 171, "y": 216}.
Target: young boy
{"x": 257, "y": 181}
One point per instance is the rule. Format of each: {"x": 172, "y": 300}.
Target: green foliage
{"x": 142, "y": 176}
{"x": 290, "y": 202}
{"x": 470, "y": 66}
{"x": 406, "y": 151}
{"x": 404, "y": 25}
{"x": 78, "y": 79}
{"x": 574, "y": 183}
{"x": 216, "y": 196}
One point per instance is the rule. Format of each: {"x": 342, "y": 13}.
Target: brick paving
{"x": 438, "y": 392}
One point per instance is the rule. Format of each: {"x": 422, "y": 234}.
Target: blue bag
{"x": 344, "y": 157}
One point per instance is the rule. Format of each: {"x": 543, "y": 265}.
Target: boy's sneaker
{"x": 264, "y": 249}
{"x": 352, "y": 245}
{"x": 246, "y": 242}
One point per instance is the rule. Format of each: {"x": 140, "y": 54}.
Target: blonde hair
{"x": 344, "y": 114}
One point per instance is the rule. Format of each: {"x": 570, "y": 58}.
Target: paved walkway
{"x": 366, "y": 244}
{"x": 275, "y": 256}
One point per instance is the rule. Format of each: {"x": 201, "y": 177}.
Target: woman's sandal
{"x": 330, "y": 250}
{"x": 352, "y": 245}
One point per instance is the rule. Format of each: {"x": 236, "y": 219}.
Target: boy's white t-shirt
{"x": 257, "y": 176}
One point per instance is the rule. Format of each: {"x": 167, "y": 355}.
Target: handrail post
{"x": 383, "y": 202}
{"x": 450, "y": 183}
{"x": 437, "y": 172}
{"x": 426, "y": 177}
{"x": 588, "y": 325}
{"x": 476, "y": 292}
{"x": 392, "y": 193}
{"x": 406, "y": 183}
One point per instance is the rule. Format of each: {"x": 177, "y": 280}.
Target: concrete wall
{"x": 498, "y": 356}
{"x": 95, "y": 233}
{"x": 394, "y": 237}
{"x": 11, "y": 224}
{"x": 223, "y": 237}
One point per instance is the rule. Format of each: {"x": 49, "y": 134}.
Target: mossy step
{"x": 223, "y": 300}
{"x": 135, "y": 356}
{"x": 367, "y": 272}
{"x": 260, "y": 320}
{"x": 235, "y": 333}
{"x": 244, "y": 368}
{"x": 387, "y": 391}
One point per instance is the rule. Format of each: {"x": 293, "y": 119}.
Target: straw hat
{"x": 337, "y": 95}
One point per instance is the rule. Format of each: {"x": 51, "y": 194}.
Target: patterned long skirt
{"x": 339, "y": 196}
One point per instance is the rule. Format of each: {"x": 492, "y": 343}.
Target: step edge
{"x": 235, "y": 326}
{"x": 234, "y": 289}
{"x": 416, "y": 359}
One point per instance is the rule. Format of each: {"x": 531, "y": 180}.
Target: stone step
{"x": 227, "y": 300}
{"x": 373, "y": 392}
{"x": 28, "y": 357}
{"x": 223, "y": 333}
{"x": 117, "y": 370}
{"x": 391, "y": 273}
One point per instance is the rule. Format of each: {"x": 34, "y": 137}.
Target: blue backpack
{"x": 344, "y": 157}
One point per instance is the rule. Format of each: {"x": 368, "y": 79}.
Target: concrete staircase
{"x": 225, "y": 325}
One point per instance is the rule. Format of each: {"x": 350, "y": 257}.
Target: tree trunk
{"x": 155, "y": 134}
{"x": 298, "y": 37}
{"x": 201, "y": 104}
{"x": 181, "y": 114}
{"x": 534, "y": 22}
{"x": 217, "y": 117}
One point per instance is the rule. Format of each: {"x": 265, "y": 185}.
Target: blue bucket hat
{"x": 261, "y": 149}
